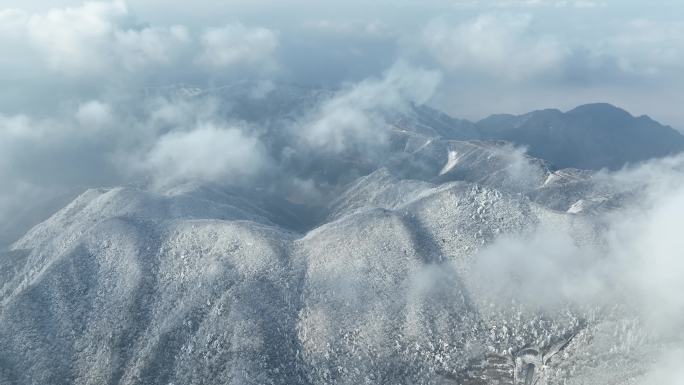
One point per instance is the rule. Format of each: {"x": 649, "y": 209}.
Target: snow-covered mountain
{"x": 375, "y": 283}
{"x": 127, "y": 286}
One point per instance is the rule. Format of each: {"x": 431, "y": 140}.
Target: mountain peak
{"x": 599, "y": 109}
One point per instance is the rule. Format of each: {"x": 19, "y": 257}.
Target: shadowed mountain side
{"x": 591, "y": 136}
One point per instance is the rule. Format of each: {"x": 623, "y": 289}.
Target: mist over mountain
{"x": 410, "y": 139}
{"x": 378, "y": 266}
{"x": 290, "y": 192}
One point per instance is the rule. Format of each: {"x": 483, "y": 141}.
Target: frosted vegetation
{"x": 430, "y": 260}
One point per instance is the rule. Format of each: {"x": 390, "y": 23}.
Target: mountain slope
{"x": 380, "y": 280}
{"x": 191, "y": 286}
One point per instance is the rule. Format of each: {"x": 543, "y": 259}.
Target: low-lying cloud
{"x": 630, "y": 263}
{"x": 633, "y": 257}
{"x": 207, "y": 153}
{"x": 160, "y": 137}
{"x": 353, "y": 117}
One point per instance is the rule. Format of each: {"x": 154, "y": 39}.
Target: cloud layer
{"x": 103, "y": 93}
{"x": 353, "y": 118}
{"x": 206, "y": 153}
{"x": 503, "y": 47}
{"x": 107, "y": 39}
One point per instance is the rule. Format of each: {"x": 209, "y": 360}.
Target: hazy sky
{"x": 495, "y": 55}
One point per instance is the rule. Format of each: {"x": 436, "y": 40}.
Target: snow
{"x": 577, "y": 207}
{"x": 208, "y": 284}
{"x": 550, "y": 179}
{"x": 213, "y": 282}
{"x": 452, "y": 161}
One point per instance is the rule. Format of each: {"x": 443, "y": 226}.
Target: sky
{"x": 495, "y": 55}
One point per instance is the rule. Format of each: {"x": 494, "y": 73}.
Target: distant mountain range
{"x": 592, "y": 136}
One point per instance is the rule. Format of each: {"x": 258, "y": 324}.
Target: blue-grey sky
{"x": 496, "y": 55}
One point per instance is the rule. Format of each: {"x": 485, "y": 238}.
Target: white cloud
{"x": 502, "y": 46}
{"x": 649, "y": 47}
{"x": 12, "y": 20}
{"x": 105, "y": 38}
{"x": 668, "y": 370}
{"x": 140, "y": 48}
{"x": 625, "y": 263}
{"x": 94, "y": 114}
{"x": 352, "y": 119}
{"x": 92, "y": 38}
{"x": 75, "y": 39}
{"x": 236, "y": 44}
{"x": 635, "y": 259}
{"x": 210, "y": 152}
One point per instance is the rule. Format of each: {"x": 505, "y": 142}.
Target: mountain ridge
{"x": 590, "y": 136}
{"x": 380, "y": 279}
{"x": 167, "y": 275}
